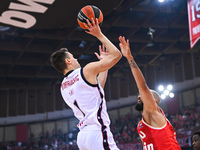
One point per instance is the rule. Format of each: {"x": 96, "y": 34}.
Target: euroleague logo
{"x": 140, "y": 126}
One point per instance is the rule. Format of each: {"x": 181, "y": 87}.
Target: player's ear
{"x": 156, "y": 101}
{"x": 67, "y": 61}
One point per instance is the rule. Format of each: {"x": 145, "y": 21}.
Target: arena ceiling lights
{"x": 166, "y": 91}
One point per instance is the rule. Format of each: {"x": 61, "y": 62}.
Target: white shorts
{"x": 90, "y": 138}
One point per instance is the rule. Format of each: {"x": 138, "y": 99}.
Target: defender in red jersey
{"x": 154, "y": 129}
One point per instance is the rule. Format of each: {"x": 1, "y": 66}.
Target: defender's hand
{"x": 125, "y": 47}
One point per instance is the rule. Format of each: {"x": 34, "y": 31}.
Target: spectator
{"x": 196, "y": 140}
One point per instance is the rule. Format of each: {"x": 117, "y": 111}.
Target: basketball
{"x": 89, "y": 12}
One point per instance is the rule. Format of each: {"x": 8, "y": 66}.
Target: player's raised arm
{"x": 92, "y": 69}
{"x": 144, "y": 91}
{"x": 154, "y": 129}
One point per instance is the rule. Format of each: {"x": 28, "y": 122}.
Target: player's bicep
{"x": 91, "y": 70}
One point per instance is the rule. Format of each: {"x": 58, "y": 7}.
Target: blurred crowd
{"x": 47, "y": 141}
{"x": 185, "y": 123}
{"x": 124, "y": 130}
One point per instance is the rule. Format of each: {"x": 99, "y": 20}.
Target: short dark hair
{"x": 58, "y": 59}
{"x": 197, "y": 133}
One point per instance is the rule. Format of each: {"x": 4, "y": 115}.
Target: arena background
{"x": 30, "y": 100}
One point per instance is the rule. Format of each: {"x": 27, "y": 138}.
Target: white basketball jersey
{"x": 86, "y": 100}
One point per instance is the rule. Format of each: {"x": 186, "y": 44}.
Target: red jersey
{"x": 157, "y": 138}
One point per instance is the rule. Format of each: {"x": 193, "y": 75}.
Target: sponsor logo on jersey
{"x": 148, "y": 146}
{"x": 142, "y": 135}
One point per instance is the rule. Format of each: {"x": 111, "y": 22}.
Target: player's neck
{"x": 67, "y": 70}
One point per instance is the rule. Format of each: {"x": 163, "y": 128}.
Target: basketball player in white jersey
{"x": 84, "y": 94}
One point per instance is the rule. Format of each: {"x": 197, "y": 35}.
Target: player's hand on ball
{"x": 93, "y": 28}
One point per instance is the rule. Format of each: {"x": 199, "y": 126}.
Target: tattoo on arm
{"x": 132, "y": 64}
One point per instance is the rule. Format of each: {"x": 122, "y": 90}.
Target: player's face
{"x": 74, "y": 61}
{"x": 196, "y": 142}
{"x": 139, "y": 105}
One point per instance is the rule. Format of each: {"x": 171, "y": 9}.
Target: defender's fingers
{"x": 122, "y": 40}
{"x": 128, "y": 43}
